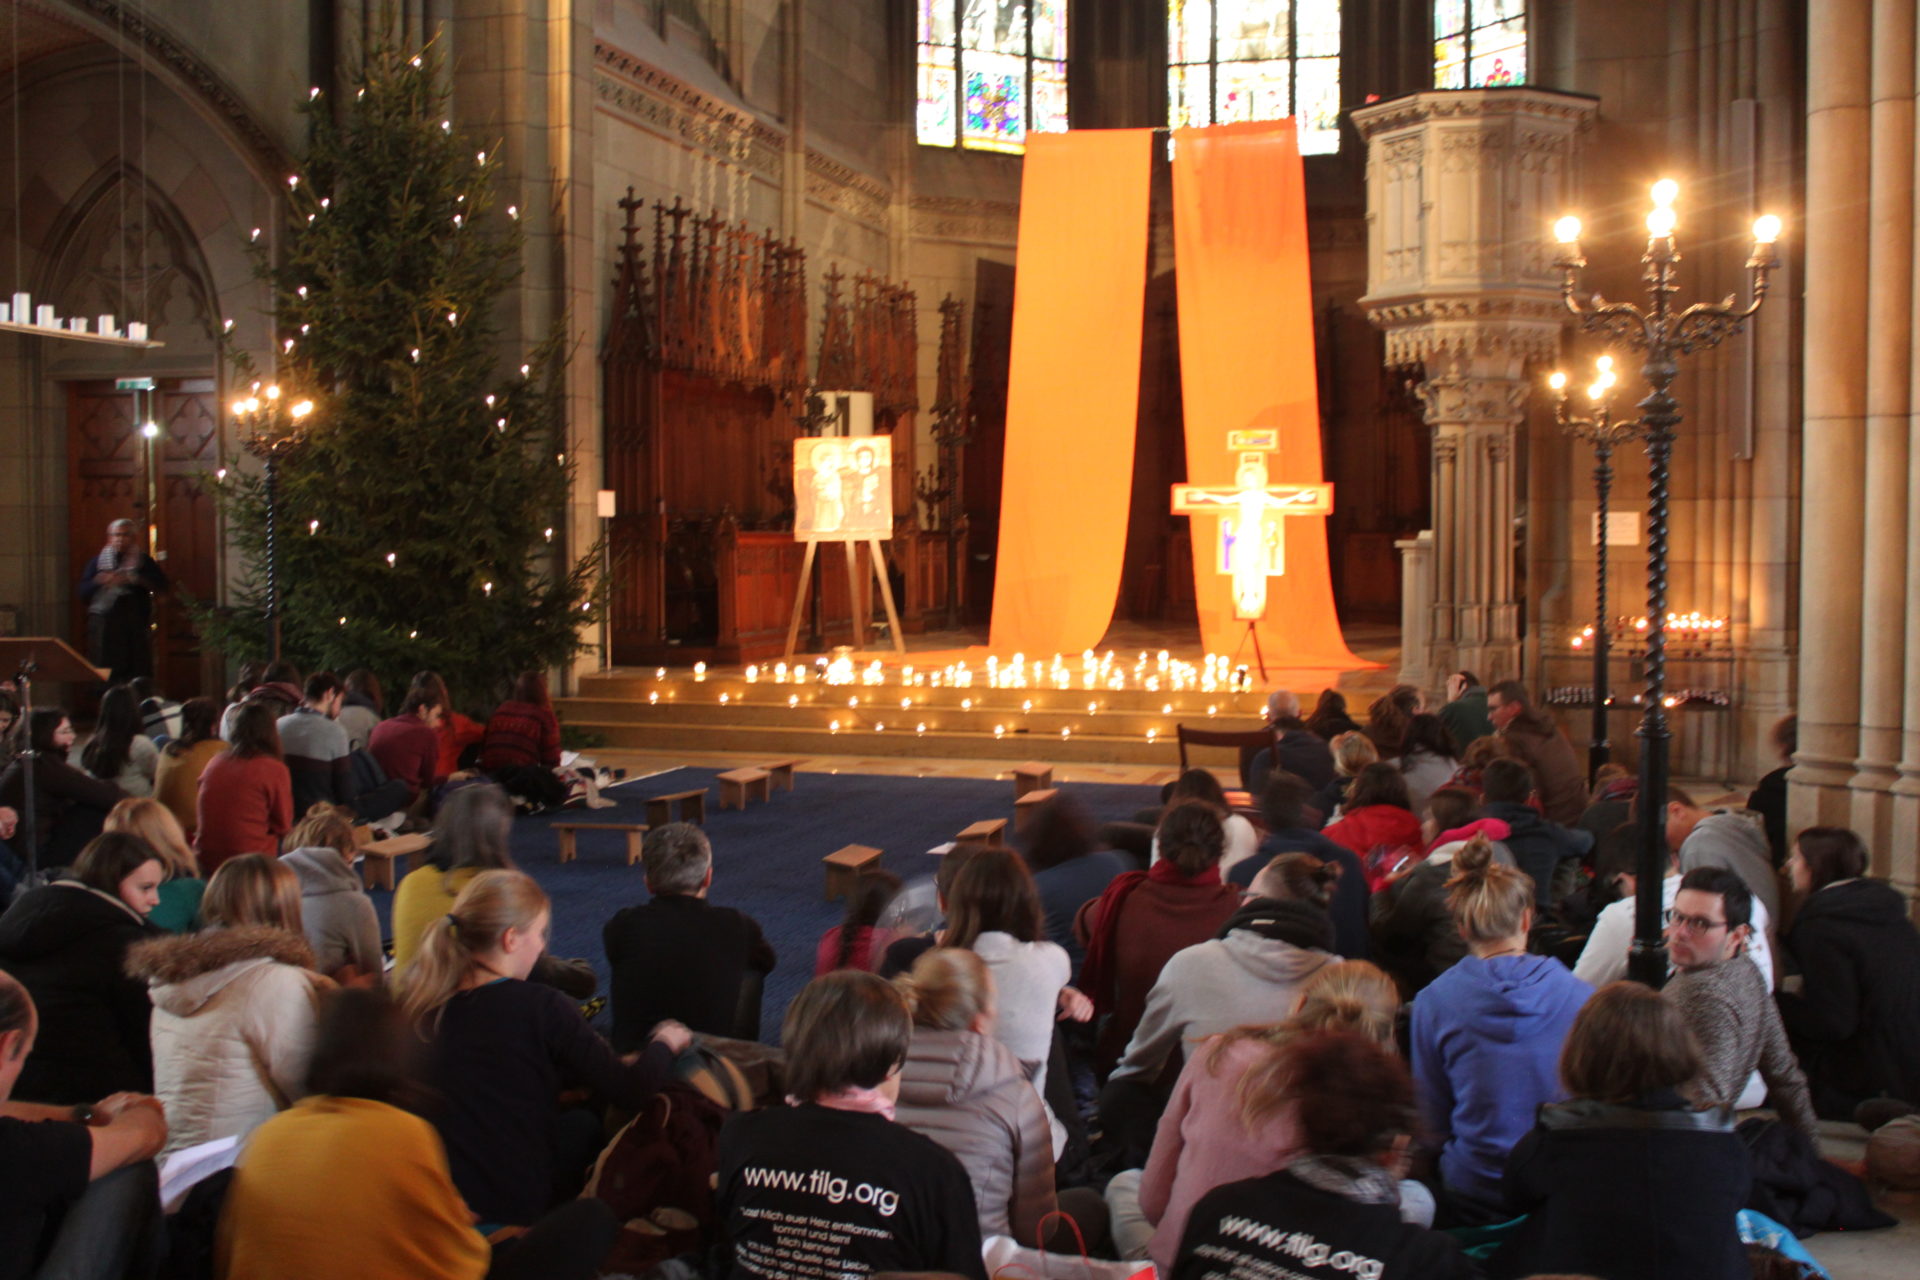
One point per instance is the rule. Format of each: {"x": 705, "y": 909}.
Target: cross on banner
{"x": 1253, "y": 517}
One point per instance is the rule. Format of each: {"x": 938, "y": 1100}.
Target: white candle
{"x": 44, "y": 317}
{"x": 107, "y": 328}
{"x": 78, "y": 324}
{"x": 136, "y": 331}
{"x": 22, "y": 307}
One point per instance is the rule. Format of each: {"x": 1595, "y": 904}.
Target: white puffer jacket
{"x": 233, "y": 1020}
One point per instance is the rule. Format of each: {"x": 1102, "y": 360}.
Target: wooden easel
{"x": 877, "y": 563}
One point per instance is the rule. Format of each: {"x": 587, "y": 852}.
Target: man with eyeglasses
{"x": 1726, "y": 1002}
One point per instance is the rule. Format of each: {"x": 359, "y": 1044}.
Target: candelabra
{"x": 1603, "y": 433}
{"x": 270, "y": 430}
{"x": 1664, "y": 334}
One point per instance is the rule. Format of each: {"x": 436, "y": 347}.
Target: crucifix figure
{"x": 1253, "y": 518}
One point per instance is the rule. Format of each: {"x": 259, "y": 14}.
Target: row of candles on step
{"x": 1695, "y": 626}
{"x": 1581, "y": 695}
{"x": 22, "y": 311}
{"x": 1216, "y": 674}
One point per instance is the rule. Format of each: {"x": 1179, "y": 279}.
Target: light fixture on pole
{"x": 271, "y": 428}
{"x": 1602, "y": 432}
{"x": 1663, "y": 334}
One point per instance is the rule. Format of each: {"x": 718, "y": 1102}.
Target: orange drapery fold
{"x": 1247, "y": 360}
{"x": 1073, "y": 388}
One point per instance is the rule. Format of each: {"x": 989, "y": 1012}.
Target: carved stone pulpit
{"x": 1462, "y": 189}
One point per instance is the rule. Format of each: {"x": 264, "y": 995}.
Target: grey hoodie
{"x": 1215, "y": 986}
{"x": 1738, "y": 842}
{"x": 334, "y": 911}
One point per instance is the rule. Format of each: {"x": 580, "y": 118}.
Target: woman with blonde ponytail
{"x": 966, "y": 1091}
{"x": 1229, "y": 1117}
{"x": 1486, "y": 1034}
{"x": 501, "y": 1050}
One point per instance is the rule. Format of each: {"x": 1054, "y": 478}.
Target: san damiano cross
{"x": 1253, "y": 515}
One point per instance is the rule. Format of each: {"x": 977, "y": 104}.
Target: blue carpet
{"x": 767, "y": 858}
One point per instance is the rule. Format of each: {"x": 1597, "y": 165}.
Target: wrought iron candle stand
{"x": 271, "y": 430}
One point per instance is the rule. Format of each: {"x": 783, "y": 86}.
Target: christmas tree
{"x": 417, "y": 517}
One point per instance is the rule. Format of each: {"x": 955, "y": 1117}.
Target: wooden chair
{"x": 1028, "y": 805}
{"x": 782, "y": 771}
{"x": 636, "y": 835}
{"x": 988, "y": 831}
{"x": 1249, "y": 742}
{"x": 845, "y": 866}
{"x": 692, "y": 806}
{"x": 737, "y": 786}
{"x": 1031, "y": 776}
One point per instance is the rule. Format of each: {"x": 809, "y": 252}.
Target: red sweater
{"x": 408, "y": 750}
{"x": 246, "y": 805}
{"x": 520, "y": 734}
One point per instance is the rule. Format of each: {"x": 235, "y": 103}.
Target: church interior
{"x": 988, "y": 395}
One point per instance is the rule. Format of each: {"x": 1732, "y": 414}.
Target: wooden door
{"x": 114, "y": 471}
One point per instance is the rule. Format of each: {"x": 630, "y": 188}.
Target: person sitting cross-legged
{"x": 1290, "y": 829}
{"x": 319, "y": 756}
{"x": 351, "y": 1182}
{"x": 335, "y": 912}
{"x": 678, "y": 955}
{"x": 79, "y": 1197}
{"x": 1627, "y": 1179}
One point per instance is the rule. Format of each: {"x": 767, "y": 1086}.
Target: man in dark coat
{"x": 118, "y": 587}
{"x": 1295, "y": 749}
{"x": 1536, "y": 738}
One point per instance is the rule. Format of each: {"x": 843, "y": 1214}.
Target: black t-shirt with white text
{"x": 1279, "y": 1228}
{"x": 812, "y": 1193}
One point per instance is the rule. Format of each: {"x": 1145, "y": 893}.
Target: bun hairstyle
{"x": 492, "y": 903}
{"x": 1298, "y": 877}
{"x": 1352, "y": 996}
{"x": 948, "y": 989}
{"x": 1353, "y": 1098}
{"x": 1192, "y": 836}
{"x": 325, "y": 826}
{"x": 1488, "y": 899}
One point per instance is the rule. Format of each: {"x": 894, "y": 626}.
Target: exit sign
{"x": 133, "y": 384}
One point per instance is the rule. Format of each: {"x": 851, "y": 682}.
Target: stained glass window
{"x": 1479, "y": 43}
{"x": 991, "y": 71}
{"x": 1231, "y": 60}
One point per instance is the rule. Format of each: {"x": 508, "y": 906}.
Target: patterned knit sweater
{"x": 1733, "y": 1016}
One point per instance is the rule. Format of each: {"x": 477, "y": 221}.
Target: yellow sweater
{"x": 345, "y": 1187}
{"x": 424, "y": 896}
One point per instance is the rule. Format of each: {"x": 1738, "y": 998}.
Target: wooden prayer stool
{"x": 846, "y": 866}
{"x": 636, "y": 832}
{"x": 1031, "y": 776}
{"x": 988, "y": 831}
{"x": 692, "y": 807}
{"x": 377, "y": 868}
{"x": 1029, "y": 804}
{"x": 782, "y": 772}
{"x": 738, "y": 786}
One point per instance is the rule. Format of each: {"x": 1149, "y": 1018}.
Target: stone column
{"x": 1416, "y": 606}
{"x": 1461, "y": 189}
{"x": 1833, "y": 458}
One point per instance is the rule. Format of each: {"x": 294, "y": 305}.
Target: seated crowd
{"x": 1349, "y": 1030}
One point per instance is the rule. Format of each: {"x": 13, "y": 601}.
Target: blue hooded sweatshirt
{"x": 1486, "y": 1054}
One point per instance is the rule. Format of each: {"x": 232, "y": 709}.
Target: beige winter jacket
{"x": 233, "y": 1019}
{"x": 968, "y": 1093}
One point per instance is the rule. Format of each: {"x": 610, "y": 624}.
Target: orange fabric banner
{"x": 1073, "y": 388}
{"x": 1247, "y": 362}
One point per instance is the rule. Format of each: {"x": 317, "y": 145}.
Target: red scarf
{"x": 1096, "y": 971}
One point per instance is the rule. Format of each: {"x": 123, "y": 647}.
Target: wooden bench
{"x": 782, "y": 771}
{"x": 988, "y": 831}
{"x": 569, "y": 849}
{"x": 692, "y": 806}
{"x": 1031, "y": 776}
{"x": 738, "y": 786}
{"x": 845, "y": 866}
{"x": 1029, "y": 804}
{"x": 379, "y": 855}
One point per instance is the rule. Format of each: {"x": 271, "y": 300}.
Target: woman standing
{"x": 502, "y": 1049}
{"x": 233, "y": 1005}
{"x": 246, "y": 793}
{"x": 180, "y": 892}
{"x": 1626, "y": 1180}
{"x": 176, "y": 779}
{"x": 1486, "y": 1034}
{"x": 118, "y": 752}
{"x": 67, "y": 943}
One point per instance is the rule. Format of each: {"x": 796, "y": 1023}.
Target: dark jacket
{"x": 680, "y": 957}
{"x": 1348, "y": 909}
{"x": 1628, "y": 1193}
{"x": 1414, "y": 935}
{"x": 1304, "y": 754}
{"x": 1538, "y": 846}
{"x": 1558, "y": 778}
{"x": 66, "y": 944}
{"x": 1855, "y": 1025}
{"x": 1067, "y": 886}
{"x": 57, "y": 787}
{"x": 1466, "y": 717}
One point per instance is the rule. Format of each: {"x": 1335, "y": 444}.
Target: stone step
{"x": 818, "y": 710}
{"x": 1191, "y": 705}
{"x": 897, "y": 737}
